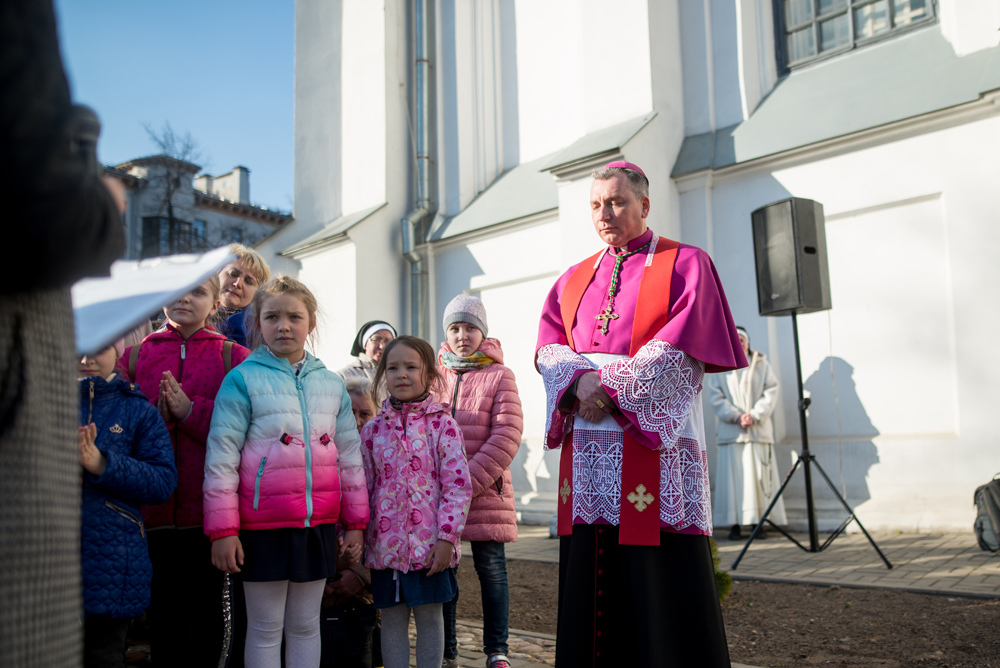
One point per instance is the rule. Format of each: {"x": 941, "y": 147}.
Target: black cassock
{"x": 637, "y": 605}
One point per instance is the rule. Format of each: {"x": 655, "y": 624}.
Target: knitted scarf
{"x": 476, "y": 360}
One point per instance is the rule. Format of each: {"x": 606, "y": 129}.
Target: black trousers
{"x": 185, "y": 610}
{"x": 104, "y": 642}
{"x": 622, "y": 605}
{"x": 348, "y": 635}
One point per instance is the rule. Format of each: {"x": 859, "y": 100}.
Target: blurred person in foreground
{"x": 62, "y": 220}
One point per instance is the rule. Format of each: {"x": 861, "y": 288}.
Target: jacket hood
{"x": 489, "y": 347}
{"x": 266, "y": 358}
{"x": 118, "y": 384}
{"x": 428, "y": 406}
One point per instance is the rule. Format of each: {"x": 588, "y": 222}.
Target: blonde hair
{"x": 216, "y": 284}
{"x": 283, "y": 284}
{"x": 252, "y": 262}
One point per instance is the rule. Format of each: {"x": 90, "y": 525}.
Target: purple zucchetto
{"x": 621, "y": 164}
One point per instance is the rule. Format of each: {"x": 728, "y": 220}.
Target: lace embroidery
{"x": 658, "y": 385}
{"x": 559, "y": 365}
{"x": 597, "y": 475}
{"x": 684, "y": 486}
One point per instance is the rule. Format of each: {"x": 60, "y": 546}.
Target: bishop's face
{"x": 619, "y": 216}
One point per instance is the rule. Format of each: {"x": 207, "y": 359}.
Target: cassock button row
{"x": 600, "y": 552}
{"x": 600, "y": 531}
{"x": 600, "y": 612}
{"x": 600, "y": 572}
{"x": 599, "y": 592}
{"x": 600, "y": 632}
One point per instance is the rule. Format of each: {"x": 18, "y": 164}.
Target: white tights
{"x": 292, "y": 607}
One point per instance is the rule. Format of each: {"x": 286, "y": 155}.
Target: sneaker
{"x": 449, "y": 663}
{"x": 497, "y": 661}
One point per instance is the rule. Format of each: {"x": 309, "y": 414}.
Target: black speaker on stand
{"x": 789, "y": 241}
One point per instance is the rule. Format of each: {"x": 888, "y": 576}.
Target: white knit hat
{"x": 466, "y": 308}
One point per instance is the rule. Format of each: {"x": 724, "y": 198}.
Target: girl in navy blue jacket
{"x": 127, "y": 460}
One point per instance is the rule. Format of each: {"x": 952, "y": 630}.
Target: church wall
{"x": 511, "y": 270}
{"x": 970, "y": 25}
{"x": 908, "y": 245}
{"x": 363, "y": 106}
{"x": 330, "y": 275}
{"x": 318, "y": 117}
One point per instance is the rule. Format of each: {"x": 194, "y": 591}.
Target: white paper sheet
{"x": 106, "y": 308}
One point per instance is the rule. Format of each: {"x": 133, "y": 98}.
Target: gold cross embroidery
{"x": 640, "y": 498}
{"x": 605, "y": 317}
{"x": 116, "y": 429}
{"x": 565, "y": 490}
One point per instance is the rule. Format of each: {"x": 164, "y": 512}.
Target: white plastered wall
{"x": 331, "y": 277}
{"x": 909, "y": 245}
{"x": 512, "y": 272}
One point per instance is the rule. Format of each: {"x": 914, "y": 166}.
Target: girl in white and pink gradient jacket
{"x": 283, "y": 466}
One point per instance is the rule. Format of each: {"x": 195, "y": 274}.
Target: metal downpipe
{"x": 414, "y": 232}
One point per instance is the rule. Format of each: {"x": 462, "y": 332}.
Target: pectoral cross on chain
{"x": 608, "y": 314}
{"x": 605, "y": 317}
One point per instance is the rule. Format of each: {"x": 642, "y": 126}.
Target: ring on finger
{"x": 600, "y": 404}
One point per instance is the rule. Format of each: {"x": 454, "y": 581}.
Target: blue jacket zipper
{"x": 256, "y": 484}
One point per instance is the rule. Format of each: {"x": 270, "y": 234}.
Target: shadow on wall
{"x": 842, "y": 443}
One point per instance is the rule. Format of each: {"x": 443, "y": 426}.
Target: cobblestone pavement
{"x": 527, "y": 649}
{"x": 930, "y": 563}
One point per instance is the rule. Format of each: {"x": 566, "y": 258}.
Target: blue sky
{"x": 221, "y": 70}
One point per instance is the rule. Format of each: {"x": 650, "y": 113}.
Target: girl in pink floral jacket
{"x": 419, "y": 491}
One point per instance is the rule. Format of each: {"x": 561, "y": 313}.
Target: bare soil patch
{"x": 534, "y": 594}
{"x": 773, "y": 624}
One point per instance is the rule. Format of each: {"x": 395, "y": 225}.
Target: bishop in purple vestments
{"x": 622, "y": 603}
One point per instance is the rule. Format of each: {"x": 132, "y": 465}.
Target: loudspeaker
{"x": 789, "y": 242}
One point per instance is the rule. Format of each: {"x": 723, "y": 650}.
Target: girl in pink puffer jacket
{"x": 419, "y": 488}
{"x": 484, "y": 401}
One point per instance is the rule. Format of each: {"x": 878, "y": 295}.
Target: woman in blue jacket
{"x": 127, "y": 459}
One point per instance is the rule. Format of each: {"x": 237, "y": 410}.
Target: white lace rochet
{"x": 659, "y": 386}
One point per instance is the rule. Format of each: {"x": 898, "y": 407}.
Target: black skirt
{"x": 635, "y": 605}
{"x": 299, "y": 555}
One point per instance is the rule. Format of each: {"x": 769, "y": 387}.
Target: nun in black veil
{"x": 368, "y": 346}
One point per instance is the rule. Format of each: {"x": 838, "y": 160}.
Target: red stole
{"x": 640, "y": 488}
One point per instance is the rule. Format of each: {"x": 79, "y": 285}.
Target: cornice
{"x": 249, "y": 212}
{"x": 985, "y": 107}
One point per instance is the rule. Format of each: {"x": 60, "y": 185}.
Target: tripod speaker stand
{"x": 792, "y": 277}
